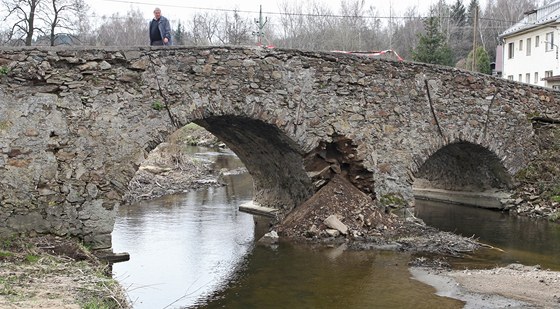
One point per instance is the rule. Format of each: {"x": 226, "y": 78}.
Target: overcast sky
{"x": 181, "y": 9}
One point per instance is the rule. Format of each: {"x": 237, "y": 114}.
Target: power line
{"x": 297, "y": 14}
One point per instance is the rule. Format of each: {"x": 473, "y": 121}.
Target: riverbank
{"x": 169, "y": 169}
{"x": 515, "y": 286}
{"x": 50, "y": 272}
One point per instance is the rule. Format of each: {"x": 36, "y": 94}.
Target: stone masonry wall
{"x": 76, "y": 123}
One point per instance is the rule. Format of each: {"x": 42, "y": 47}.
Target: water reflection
{"x": 523, "y": 240}
{"x": 304, "y": 277}
{"x": 184, "y": 246}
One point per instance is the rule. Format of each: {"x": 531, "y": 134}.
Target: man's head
{"x": 157, "y": 13}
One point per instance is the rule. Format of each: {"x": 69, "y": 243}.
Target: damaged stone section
{"x": 339, "y": 157}
{"x": 338, "y": 208}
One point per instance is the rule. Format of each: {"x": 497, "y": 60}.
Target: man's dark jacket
{"x": 164, "y": 28}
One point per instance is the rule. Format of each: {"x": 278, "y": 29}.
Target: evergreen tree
{"x": 482, "y": 61}
{"x": 472, "y": 5}
{"x": 458, "y": 13}
{"x": 179, "y": 35}
{"x": 460, "y": 39}
{"x": 431, "y": 46}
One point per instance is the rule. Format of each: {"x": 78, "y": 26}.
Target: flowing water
{"x": 517, "y": 239}
{"x": 197, "y": 250}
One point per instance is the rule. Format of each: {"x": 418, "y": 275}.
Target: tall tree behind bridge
{"x": 498, "y": 15}
{"x": 29, "y": 19}
{"x": 315, "y": 26}
{"x": 64, "y": 17}
{"x": 180, "y": 34}
{"x": 118, "y": 30}
{"x": 432, "y": 47}
{"x": 23, "y": 18}
{"x": 460, "y": 39}
{"x": 235, "y": 30}
{"x": 405, "y": 32}
{"x": 293, "y": 25}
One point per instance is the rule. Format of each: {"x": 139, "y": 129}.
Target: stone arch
{"x": 273, "y": 159}
{"x": 464, "y": 166}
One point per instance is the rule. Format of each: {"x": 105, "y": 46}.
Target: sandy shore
{"x": 513, "y": 286}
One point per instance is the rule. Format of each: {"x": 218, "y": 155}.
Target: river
{"x": 197, "y": 250}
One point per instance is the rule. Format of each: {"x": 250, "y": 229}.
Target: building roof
{"x": 535, "y": 18}
{"x": 554, "y": 78}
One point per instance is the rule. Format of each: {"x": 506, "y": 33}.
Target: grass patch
{"x": 31, "y": 258}
{"x": 4, "y": 70}
{"x": 7, "y": 243}
{"x": 5, "y": 254}
{"x": 98, "y": 304}
{"x": 157, "y": 105}
{"x": 7, "y": 286}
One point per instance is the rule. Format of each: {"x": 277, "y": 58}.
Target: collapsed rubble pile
{"x": 339, "y": 212}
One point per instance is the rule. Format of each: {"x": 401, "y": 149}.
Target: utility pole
{"x": 475, "y": 24}
{"x": 260, "y": 25}
{"x": 391, "y": 25}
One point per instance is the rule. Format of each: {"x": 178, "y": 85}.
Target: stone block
{"x": 334, "y": 223}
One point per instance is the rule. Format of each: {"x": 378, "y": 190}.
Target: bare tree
{"x": 117, "y": 30}
{"x": 24, "y": 15}
{"x": 64, "y": 16}
{"x": 406, "y": 32}
{"x": 235, "y": 30}
{"x": 292, "y": 25}
{"x": 499, "y": 15}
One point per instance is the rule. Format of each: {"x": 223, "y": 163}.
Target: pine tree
{"x": 472, "y": 5}
{"x": 431, "y": 47}
{"x": 180, "y": 35}
{"x": 482, "y": 61}
{"x": 458, "y": 13}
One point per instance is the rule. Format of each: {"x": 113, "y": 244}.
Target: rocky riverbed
{"x": 169, "y": 170}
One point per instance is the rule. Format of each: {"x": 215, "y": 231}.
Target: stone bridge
{"x": 76, "y": 123}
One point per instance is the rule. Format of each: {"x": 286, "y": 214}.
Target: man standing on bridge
{"x": 160, "y": 29}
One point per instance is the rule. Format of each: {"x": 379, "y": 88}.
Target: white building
{"x": 530, "y": 50}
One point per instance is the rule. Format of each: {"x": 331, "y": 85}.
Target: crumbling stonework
{"x": 76, "y": 123}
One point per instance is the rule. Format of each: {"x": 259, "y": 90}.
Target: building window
{"x": 520, "y": 44}
{"x": 529, "y": 47}
{"x": 547, "y": 74}
{"x": 510, "y": 77}
{"x": 536, "y": 77}
{"x": 549, "y": 41}
{"x": 528, "y": 78}
{"x": 510, "y": 50}
{"x": 537, "y": 41}
{"x": 520, "y": 78}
